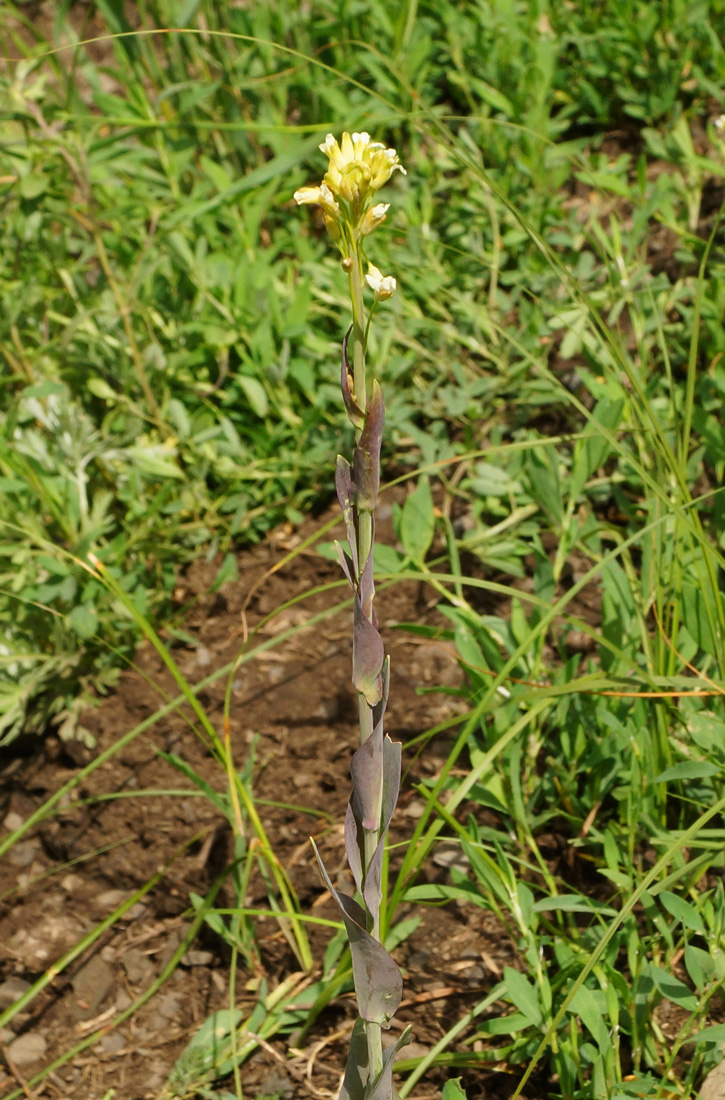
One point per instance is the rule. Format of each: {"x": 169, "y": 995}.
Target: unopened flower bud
{"x": 374, "y": 217}
{"x": 332, "y": 227}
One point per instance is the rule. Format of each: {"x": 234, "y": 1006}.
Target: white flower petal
{"x": 307, "y": 194}
{"x": 382, "y": 286}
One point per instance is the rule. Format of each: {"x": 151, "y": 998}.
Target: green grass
{"x": 170, "y": 327}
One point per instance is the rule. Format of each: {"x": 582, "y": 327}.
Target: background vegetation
{"x": 170, "y": 329}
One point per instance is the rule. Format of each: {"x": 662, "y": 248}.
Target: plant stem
{"x": 364, "y": 534}
{"x": 365, "y": 519}
{"x": 358, "y": 327}
{"x": 375, "y": 1050}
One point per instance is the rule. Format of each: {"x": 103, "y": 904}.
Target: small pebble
{"x": 139, "y": 968}
{"x": 27, "y": 1048}
{"x": 112, "y": 1042}
{"x": 12, "y": 990}
{"x": 92, "y": 984}
{"x": 415, "y": 808}
{"x": 110, "y": 899}
{"x": 203, "y": 657}
{"x": 276, "y": 1083}
{"x": 23, "y": 854}
{"x": 72, "y": 884}
{"x": 197, "y": 958}
{"x": 168, "y": 1005}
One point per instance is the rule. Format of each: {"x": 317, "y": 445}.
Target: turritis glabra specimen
{"x": 357, "y": 169}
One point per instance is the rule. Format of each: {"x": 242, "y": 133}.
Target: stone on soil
{"x": 12, "y": 990}
{"x": 92, "y": 984}
{"x": 27, "y": 1048}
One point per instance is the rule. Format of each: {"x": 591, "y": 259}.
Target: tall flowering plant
{"x": 357, "y": 169}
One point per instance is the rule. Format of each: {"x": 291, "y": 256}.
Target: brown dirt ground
{"x": 63, "y": 877}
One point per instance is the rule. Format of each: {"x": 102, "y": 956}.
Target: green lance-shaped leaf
{"x": 354, "y": 412}
{"x": 366, "y": 460}
{"x": 368, "y": 655}
{"x": 356, "y": 1084}
{"x": 378, "y": 981}
{"x": 345, "y": 492}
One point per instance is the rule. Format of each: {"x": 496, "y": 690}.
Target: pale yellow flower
{"x": 358, "y": 166}
{"x": 322, "y": 195}
{"x": 382, "y": 286}
{"x": 373, "y": 218}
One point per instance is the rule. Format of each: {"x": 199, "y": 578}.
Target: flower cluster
{"x": 357, "y": 169}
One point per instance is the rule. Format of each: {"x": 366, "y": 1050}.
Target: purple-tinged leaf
{"x": 345, "y": 564}
{"x": 373, "y": 886}
{"x": 379, "y": 708}
{"x": 375, "y": 768}
{"x": 344, "y": 487}
{"x": 378, "y": 981}
{"x": 354, "y": 840}
{"x": 392, "y": 751}
{"x": 372, "y": 881}
{"x": 367, "y": 585}
{"x": 354, "y": 412}
{"x": 366, "y": 769}
{"x": 367, "y": 657}
{"x": 383, "y": 1088}
{"x": 366, "y": 460}
{"x": 357, "y": 1070}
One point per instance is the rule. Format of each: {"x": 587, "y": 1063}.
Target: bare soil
{"x": 294, "y": 707}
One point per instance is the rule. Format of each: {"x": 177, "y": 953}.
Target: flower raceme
{"x": 357, "y": 169}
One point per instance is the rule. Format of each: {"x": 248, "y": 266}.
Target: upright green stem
{"x": 358, "y": 327}
{"x": 364, "y": 549}
{"x": 365, "y": 519}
